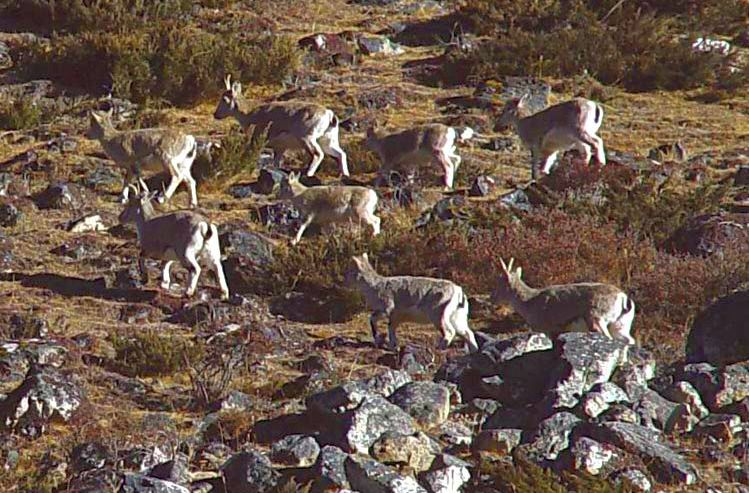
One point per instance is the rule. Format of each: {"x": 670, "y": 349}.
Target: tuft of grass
{"x": 19, "y": 115}
{"x": 149, "y": 353}
{"x": 238, "y": 156}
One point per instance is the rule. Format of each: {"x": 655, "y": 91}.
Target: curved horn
{"x": 509, "y": 265}
{"x": 503, "y": 264}
{"x": 227, "y": 82}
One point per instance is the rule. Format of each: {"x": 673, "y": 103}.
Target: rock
{"x": 269, "y": 179}
{"x": 88, "y": 456}
{"x": 682, "y": 420}
{"x": 415, "y": 451}
{"x": 254, "y": 246}
{"x": 448, "y": 475}
{"x": 482, "y": 186}
{"x": 456, "y": 435}
{"x": 585, "y": 359}
{"x": 684, "y": 392}
{"x": 718, "y": 335}
{"x": 86, "y": 224}
{"x": 590, "y": 456}
{"x": 249, "y": 472}
{"x": 741, "y": 178}
{"x": 329, "y": 471}
{"x": 351, "y": 394}
{"x": 620, "y": 412}
{"x": 667, "y": 465}
{"x": 516, "y": 87}
{"x": 427, "y": 402}
{"x": 374, "y": 45}
{"x": 501, "y": 441}
{"x": 633, "y": 376}
{"x": 138, "y": 483}
{"x": 281, "y": 216}
{"x": 237, "y": 401}
{"x": 357, "y": 430}
{"x": 369, "y": 476}
{"x": 9, "y": 215}
{"x": 44, "y": 395}
{"x": 741, "y": 409}
{"x": 493, "y": 356}
{"x": 506, "y": 144}
{"x": 517, "y": 199}
{"x": 295, "y": 451}
{"x": 59, "y": 196}
{"x": 720, "y": 427}
{"x": 600, "y": 397}
{"x": 176, "y": 470}
{"x": 634, "y": 479}
{"x": 707, "y": 234}
{"x": 103, "y": 176}
{"x": 718, "y": 387}
{"x": 551, "y": 438}
{"x": 654, "y": 410}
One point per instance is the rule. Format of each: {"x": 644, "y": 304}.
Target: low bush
{"x": 19, "y": 115}
{"x": 168, "y": 62}
{"x": 637, "y": 49}
{"x": 237, "y": 156}
{"x": 149, "y": 353}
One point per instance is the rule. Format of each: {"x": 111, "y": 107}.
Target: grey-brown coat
{"x": 412, "y": 299}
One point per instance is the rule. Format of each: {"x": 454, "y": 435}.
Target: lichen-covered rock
{"x": 684, "y": 392}
{"x": 718, "y": 335}
{"x": 501, "y": 441}
{"x": 633, "y": 375}
{"x": 369, "y": 476}
{"x": 176, "y": 470}
{"x": 357, "y": 430}
{"x": 634, "y": 479}
{"x": 295, "y": 451}
{"x": 351, "y": 394}
{"x": 249, "y": 472}
{"x": 551, "y": 438}
{"x": 666, "y": 464}
{"x": 456, "y": 435}
{"x": 416, "y": 451}
{"x": 138, "y": 483}
{"x": 601, "y": 397}
{"x": 720, "y": 427}
{"x": 655, "y": 411}
{"x": 88, "y": 456}
{"x": 329, "y": 470}
{"x": 44, "y": 395}
{"x": 591, "y": 456}
{"x": 492, "y": 357}
{"x": 427, "y": 402}
{"x": 718, "y": 387}
{"x": 584, "y": 359}
{"x": 448, "y": 475}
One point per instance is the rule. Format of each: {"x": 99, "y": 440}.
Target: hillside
{"x": 110, "y": 384}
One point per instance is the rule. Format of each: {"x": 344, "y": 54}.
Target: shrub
{"x": 638, "y": 49}
{"x": 148, "y": 353}
{"x": 19, "y": 115}
{"x": 237, "y": 156}
{"x": 365, "y": 160}
{"x": 167, "y": 62}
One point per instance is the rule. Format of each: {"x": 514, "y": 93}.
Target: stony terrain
{"x": 107, "y": 384}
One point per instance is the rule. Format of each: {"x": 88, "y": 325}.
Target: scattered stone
{"x": 357, "y": 430}
{"x": 448, "y": 475}
{"x": 280, "y": 215}
{"x": 551, "y": 438}
{"x": 494, "y": 356}
{"x": 59, "y": 196}
{"x": 585, "y": 359}
{"x": 707, "y": 234}
{"x": 237, "y": 401}
{"x": 482, "y": 186}
{"x": 655, "y": 411}
{"x": 456, "y": 435}
{"x": 427, "y": 402}
{"x": 633, "y": 478}
{"x": 369, "y": 476}
{"x": 517, "y": 199}
{"x": 176, "y": 470}
{"x": 103, "y": 176}
{"x": 254, "y": 246}
{"x": 329, "y": 469}
{"x": 88, "y": 456}
{"x": 720, "y": 427}
{"x": 374, "y": 45}
{"x": 249, "y": 472}
{"x": 600, "y": 397}
{"x": 295, "y": 451}
{"x": 590, "y": 456}
{"x": 718, "y": 387}
{"x": 44, "y": 395}
{"x": 634, "y": 375}
{"x": 501, "y": 441}
{"x": 86, "y": 224}
{"x": 718, "y": 335}
{"x": 350, "y": 395}
{"x": 667, "y": 465}
{"x": 9, "y": 215}
{"x": 416, "y": 451}
{"x": 138, "y": 483}
{"x": 620, "y": 412}
{"x": 684, "y": 392}
{"x": 682, "y": 420}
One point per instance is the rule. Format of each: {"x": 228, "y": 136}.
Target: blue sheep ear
{"x": 519, "y": 272}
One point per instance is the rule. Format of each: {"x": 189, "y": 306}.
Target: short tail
{"x": 333, "y": 120}
{"x": 599, "y": 115}
{"x": 208, "y": 231}
{"x": 463, "y": 301}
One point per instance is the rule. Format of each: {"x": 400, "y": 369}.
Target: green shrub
{"x": 170, "y": 62}
{"x": 19, "y": 115}
{"x": 639, "y": 50}
{"x": 238, "y": 155}
{"x": 149, "y": 353}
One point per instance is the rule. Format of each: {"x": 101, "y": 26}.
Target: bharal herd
{"x": 190, "y": 238}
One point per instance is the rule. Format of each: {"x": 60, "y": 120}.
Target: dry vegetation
{"x": 592, "y": 224}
